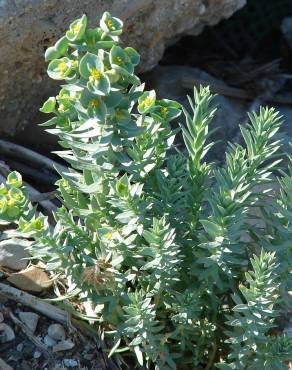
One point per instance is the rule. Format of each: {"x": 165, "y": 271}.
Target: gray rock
{"x": 1, "y": 317}
{"x": 28, "y": 27}
{"x": 286, "y": 28}
{"x": 12, "y": 252}
{"x": 56, "y": 332}
{"x": 30, "y": 319}
{"x": 6, "y": 333}
{"x": 49, "y": 342}
{"x": 64, "y": 345}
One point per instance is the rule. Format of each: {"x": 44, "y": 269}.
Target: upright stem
{"x": 212, "y": 357}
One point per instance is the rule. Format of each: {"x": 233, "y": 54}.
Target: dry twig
{"x": 54, "y": 313}
{"x": 22, "y": 153}
{"x": 232, "y": 92}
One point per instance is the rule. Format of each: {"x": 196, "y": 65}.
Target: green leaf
{"x": 49, "y": 105}
{"x": 115, "y": 347}
{"x": 133, "y": 55}
{"x": 211, "y": 228}
{"x": 139, "y": 355}
{"x": 51, "y": 53}
{"x": 62, "y": 45}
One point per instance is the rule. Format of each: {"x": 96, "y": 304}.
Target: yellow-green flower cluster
{"x": 33, "y": 226}
{"x": 12, "y": 198}
{"x": 100, "y": 86}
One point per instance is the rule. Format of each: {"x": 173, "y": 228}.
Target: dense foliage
{"x": 160, "y": 240}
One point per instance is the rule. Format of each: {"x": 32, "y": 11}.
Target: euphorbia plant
{"x": 150, "y": 232}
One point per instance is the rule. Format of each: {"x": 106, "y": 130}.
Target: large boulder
{"x": 28, "y": 27}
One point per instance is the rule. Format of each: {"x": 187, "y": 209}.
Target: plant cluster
{"x": 159, "y": 239}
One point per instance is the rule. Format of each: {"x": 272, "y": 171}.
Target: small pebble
{"x": 88, "y": 356}
{"x": 57, "y": 332}
{"x": 37, "y": 354}
{"x": 19, "y": 347}
{"x": 70, "y": 362}
{"x": 49, "y": 342}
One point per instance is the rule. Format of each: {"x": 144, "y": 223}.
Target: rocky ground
{"x": 48, "y": 346}
{"x": 31, "y": 340}
{"x": 35, "y": 339}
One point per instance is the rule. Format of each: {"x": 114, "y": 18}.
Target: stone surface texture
{"x": 30, "y": 319}
{"x": 13, "y": 253}
{"x": 56, "y": 332}
{"x": 6, "y": 334}
{"x": 28, "y": 27}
